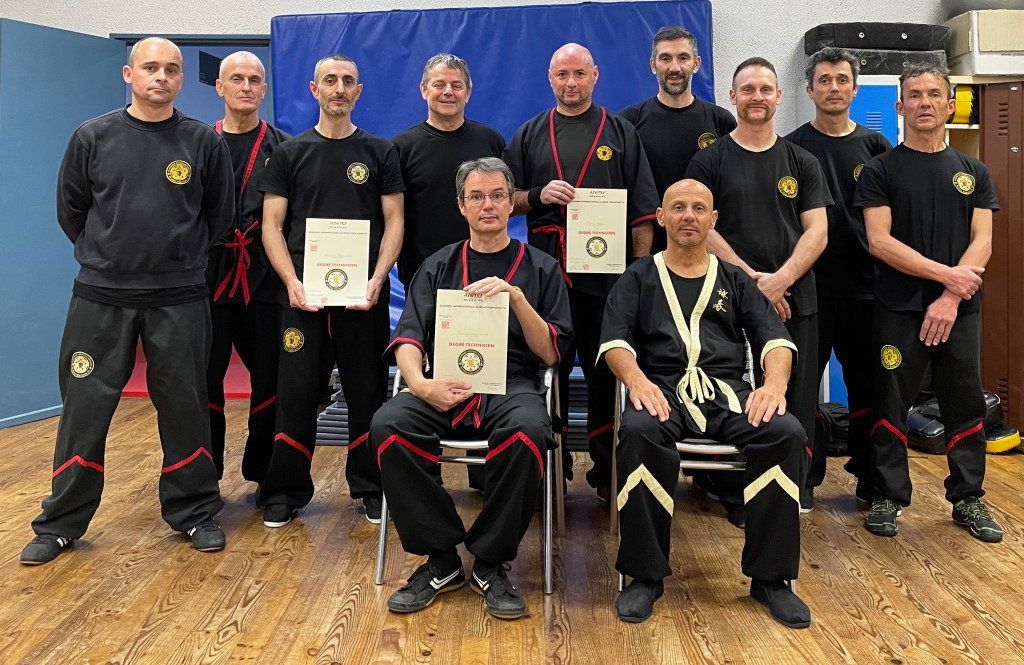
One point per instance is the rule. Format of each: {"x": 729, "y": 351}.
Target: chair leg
{"x": 613, "y": 498}
{"x": 559, "y": 481}
{"x": 548, "y": 526}
{"x": 382, "y": 541}
{"x": 622, "y": 582}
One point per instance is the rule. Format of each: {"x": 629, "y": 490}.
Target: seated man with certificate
{"x": 493, "y": 303}
{"x": 673, "y": 333}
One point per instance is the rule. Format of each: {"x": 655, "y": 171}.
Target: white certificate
{"x": 471, "y": 339}
{"x": 596, "y": 231}
{"x": 334, "y": 269}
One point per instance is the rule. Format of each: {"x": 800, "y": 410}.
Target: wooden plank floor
{"x": 134, "y": 592}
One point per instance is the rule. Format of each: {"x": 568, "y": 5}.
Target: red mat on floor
{"x": 236, "y": 382}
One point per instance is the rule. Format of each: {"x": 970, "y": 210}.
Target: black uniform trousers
{"x": 900, "y": 362}
{"x": 406, "y": 434}
{"x": 648, "y": 471}
{"x": 587, "y": 313}
{"x": 358, "y": 339}
{"x": 252, "y": 330}
{"x": 845, "y": 324}
{"x": 97, "y": 356}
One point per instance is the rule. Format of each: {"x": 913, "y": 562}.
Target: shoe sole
{"x": 804, "y": 511}
{"x": 787, "y": 624}
{"x": 277, "y": 525}
{"x": 966, "y": 526}
{"x": 407, "y": 610}
{"x": 879, "y": 533}
{"x": 632, "y": 619}
{"x": 218, "y": 548}
{"x": 480, "y": 591}
{"x": 35, "y": 563}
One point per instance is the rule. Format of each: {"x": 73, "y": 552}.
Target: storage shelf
{"x": 961, "y": 126}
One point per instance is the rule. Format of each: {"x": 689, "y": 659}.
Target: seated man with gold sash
{"x": 674, "y": 333}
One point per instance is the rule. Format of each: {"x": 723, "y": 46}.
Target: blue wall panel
{"x": 50, "y": 82}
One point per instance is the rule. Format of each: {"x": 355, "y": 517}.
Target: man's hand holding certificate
{"x": 334, "y": 272}
{"x": 471, "y": 338}
{"x": 596, "y": 231}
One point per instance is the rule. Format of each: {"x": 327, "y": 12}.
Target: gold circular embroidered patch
{"x": 357, "y": 172}
{"x": 891, "y": 357}
{"x": 336, "y": 279}
{"x": 604, "y": 153}
{"x": 857, "y": 170}
{"x": 788, "y": 187}
{"x": 293, "y": 340}
{"x": 471, "y": 361}
{"x": 178, "y": 172}
{"x": 706, "y": 139}
{"x": 964, "y": 183}
{"x": 82, "y": 364}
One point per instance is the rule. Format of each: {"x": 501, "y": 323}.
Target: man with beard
{"x": 771, "y": 198}
{"x": 336, "y": 171}
{"x": 674, "y": 125}
{"x": 845, "y": 270}
{"x": 580, "y": 144}
{"x": 245, "y": 291}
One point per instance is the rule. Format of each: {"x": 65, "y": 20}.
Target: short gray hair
{"x": 919, "y": 69}
{"x": 450, "y": 61}
{"x": 334, "y": 57}
{"x": 832, "y": 56}
{"x": 483, "y": 165}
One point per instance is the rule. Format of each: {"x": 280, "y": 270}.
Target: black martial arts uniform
{"x": 932, "y": 197}
{"x": 429, "y": 158}
{"x": 406, "y": 430}
{"x": 594, "y": 149}
{"x": 336, "y": 179}
{"x": 142, "y": 202}
{"x": 687, "y": 336}
{"x": 844, "y": 275}
{"x": 245, "y": 295}
{"x": 759, "y": 197}
{"x": 671, "y": 137}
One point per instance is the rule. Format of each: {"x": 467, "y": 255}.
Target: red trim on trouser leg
{"x": 419, "y": 451}
{"x": 889, "y": 426}
{"x": 600, "y": 430}
{"x": 859, "y": 412}
{"x": 219, "y": 408}
{"x": 525, "y": 439}
{"x": 808, "y": 449}
{"x": 199, "y": 451}
{"x": 257, "y": 409}
{"x": 294, "y": 444}
{"x": 361, "y": 439}
{"x": 77, "y": 458}
{"x": 955, "y": 439}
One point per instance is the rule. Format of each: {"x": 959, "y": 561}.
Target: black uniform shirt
{"x": 333, "y": 179}
{"x": 932, "y": 197}
{"x": 429, "y": 158}
{"x": 845, "y": 269}
{"x": 759, "y": 197}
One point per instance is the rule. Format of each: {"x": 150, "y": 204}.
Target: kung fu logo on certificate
{"x": 595, "y": 235}
{"x": 471, "y": 339}
{"x": 336, "y": 260}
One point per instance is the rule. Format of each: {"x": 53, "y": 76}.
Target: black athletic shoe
{"x": 972, "y": 515}
{"x": 636, "y": 602}
{"x": 806, "y": 500}
{"x": 44, "y": 549}
{"x": 207, "y": 536}
{"x": 881, "y": 519}
{"x": 737, "y": 517}
{"x": 372, "y": 505}
{"x": 784, "y": 605}
{"x": 423, "y": 586}
{"x": 277, "y": 515}
{"x": 501, "y": 598}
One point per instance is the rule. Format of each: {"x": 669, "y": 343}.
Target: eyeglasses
{"x": 478, "y": 199}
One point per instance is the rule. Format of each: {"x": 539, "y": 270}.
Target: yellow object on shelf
{"x": 964, "y": 95}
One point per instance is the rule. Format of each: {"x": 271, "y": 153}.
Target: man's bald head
{"x": 572, "y": 75}
{"x": 571, "y": 50}
{"x": 145, "y": 44}
{"x": 688, "y": 213}
{"x": 239, "y": 58}
{"x": 691, "y": 187}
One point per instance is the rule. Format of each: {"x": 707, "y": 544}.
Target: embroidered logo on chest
{"x": 178, "y": 172}
{"x": 357, "y": 172}
{"x": 856, "y": 171}
{"x": 706, "y": 139}
{"x": 293, "y": 340}
{"x": 604, "y": 153}
{"x": 964, "y": 183}
{"x": 788, "y": 187}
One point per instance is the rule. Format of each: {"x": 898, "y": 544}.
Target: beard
{"x": 674, "y": 88}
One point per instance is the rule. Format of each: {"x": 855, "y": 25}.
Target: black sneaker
{"x": 44, "y": 549}
{"x": 256, "y": 497}
{"x": 277, "y": 515}
{"x": 636, "y": 602}
{"x": 972, "y": 515}
{"x": 737, "y": 517}
{"x": 881, "y": 519}
{"x": 784, "y": 605}
{"x": 372, "y": 505}
{"x": 806, "y": 500}
{"x": 501, "y": 598}
{"x": 423, "y": 586}
{"x": 207, "y": 536}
